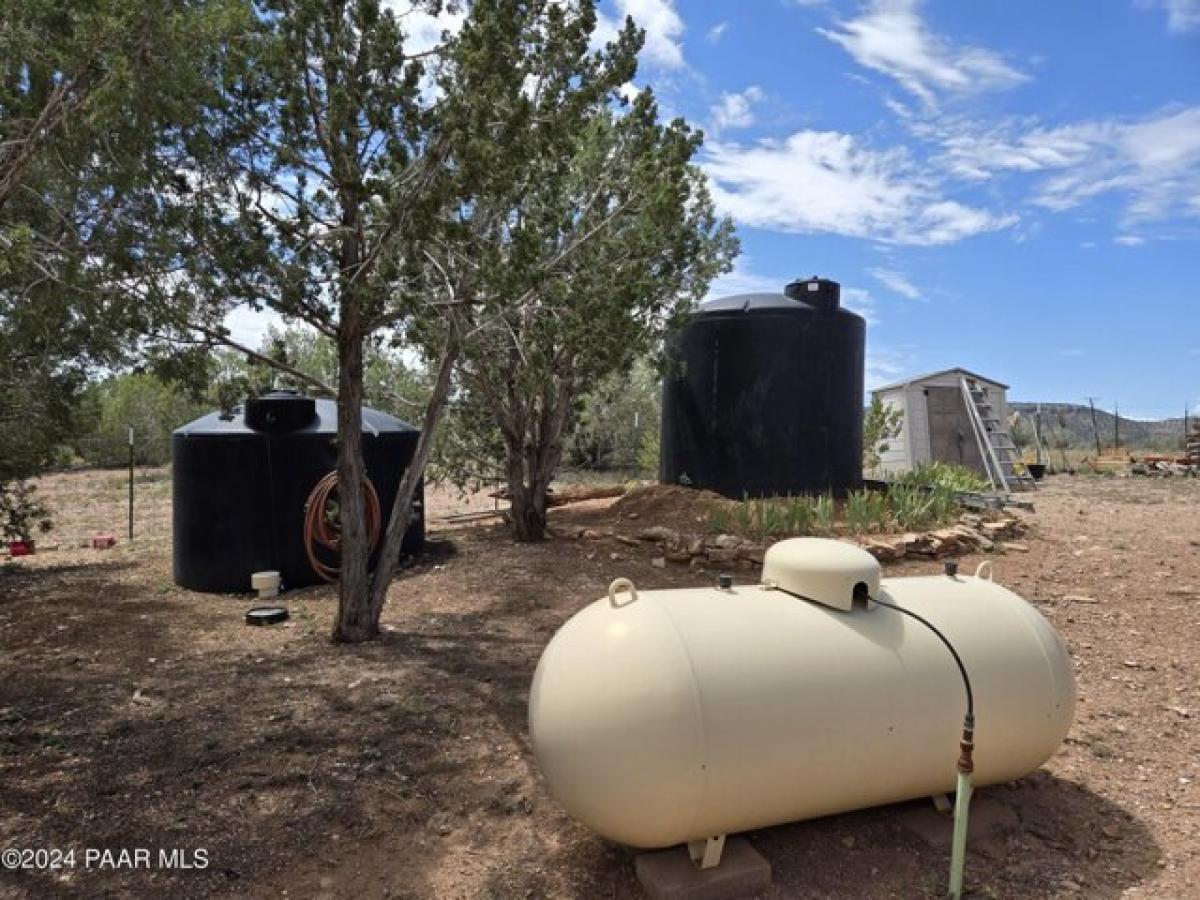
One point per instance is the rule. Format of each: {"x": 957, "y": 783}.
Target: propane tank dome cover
{"x": 823, "y": 570}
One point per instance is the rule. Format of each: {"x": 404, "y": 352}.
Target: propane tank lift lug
{"x": 706, "y": 854}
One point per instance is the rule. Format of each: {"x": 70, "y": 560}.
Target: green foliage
{"x": 744, "y": 518}
{"x": 866, "y": 511}
{"x": 903, "y": 507}
{"x": 650, "y": 452}
{"x": 719, "y": 518}
{"x": 824, "y": 513}
{"x": 881, "y": 425}
{"x": 611, "y": 236}
{"x": 89, "y": 90}
{"x": 1021, "y": 431}
{"x": 949, "y": 476}
{"x": 801, "y": 515}
{"x": 389, "y": 382}
{"x": 21, "y": 513}
{"x": 916, "y": 508}
{"x": 617, "y": 422}
{"x": 153, "y": 407}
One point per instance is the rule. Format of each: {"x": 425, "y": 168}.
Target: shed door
{"x": 951, "y": 438}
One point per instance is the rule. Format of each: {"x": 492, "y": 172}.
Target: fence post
{"x": 131, "y": 484}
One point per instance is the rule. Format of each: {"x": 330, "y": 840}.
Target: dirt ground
{"x": 134, "y": 714}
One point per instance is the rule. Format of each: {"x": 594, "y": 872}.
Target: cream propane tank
{"x": 671, "y": 716}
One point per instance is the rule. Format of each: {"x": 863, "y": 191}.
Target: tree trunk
{"x": 528, "y": 509}
{"x": 389, "y": 556}
{"x": 532, "y": 468}
{"x": 354, "y": 622}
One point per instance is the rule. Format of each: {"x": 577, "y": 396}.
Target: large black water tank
{"x": 241, "y": 483}
{"x": 764, "y": 395}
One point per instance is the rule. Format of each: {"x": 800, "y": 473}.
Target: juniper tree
{"x": 87, "y": 92}
{"x": 610, "y": 242}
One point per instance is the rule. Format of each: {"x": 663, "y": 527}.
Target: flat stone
{"x": 671, "y": 875}
{"x": 987, "y": 819}
{"x": 720, "y": 556}
{"x": 726, "y": 542}
{"x": 659, "y": 534}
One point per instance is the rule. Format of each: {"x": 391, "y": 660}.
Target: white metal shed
{"x": 936, "y": 422}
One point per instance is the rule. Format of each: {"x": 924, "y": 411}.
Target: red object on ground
{"x": 102, "y": 541}
{"x": 20, "y": 548}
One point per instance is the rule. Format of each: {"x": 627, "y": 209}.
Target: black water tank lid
{"x": 280, "y": 411}
{"x": 323, "y": 422}
{"x": 821, "y": 293}
{"x": 799, "y": 297}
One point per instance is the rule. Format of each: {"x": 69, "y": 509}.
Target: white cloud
{"x": 423, "y": 31}
{"x": 896, "y": 282}
{"x": 661, "y": 22}
{"x": 978, "y": 155}
{"x": 859, "y": 300}
{"x": 1129, "y": 240}
{"x": 742, "y": 280}
{"x": 890, "y": 37}
{"x": 1154, "y": 162}
{"x": 885, "y": 365}
{"x": 823, "y": 181}
{"x": 717, "y": 32}
{"x": 1182, "y": 15}
{"x": 629, "y": 91}
{"x": 736, "y": 110}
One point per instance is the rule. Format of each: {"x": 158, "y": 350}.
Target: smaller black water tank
{"x": 241, "y": 483}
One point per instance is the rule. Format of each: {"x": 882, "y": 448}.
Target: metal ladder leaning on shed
{"x": 1001, "y": 459}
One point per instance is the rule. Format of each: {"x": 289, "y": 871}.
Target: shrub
{"x": 915, "y": 508}
{"x": 800, "y": 515}
{"x": 866, "y": 511}
{"x": 21, "y": 512}
{"x": 823, "y": 514}
{"x": 949, "y": 476}
{"x": 718, "y": 518}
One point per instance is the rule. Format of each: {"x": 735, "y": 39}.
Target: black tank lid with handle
{"x": 277, "y": 412}
{"x": 819, "y": 293}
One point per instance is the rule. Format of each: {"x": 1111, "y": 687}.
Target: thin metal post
{"x": 1095, "y": 427}
{"x": 131, "y": 483}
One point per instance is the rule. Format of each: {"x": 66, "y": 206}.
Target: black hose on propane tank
{"x": 957, "y": 659}
{"x": 966, "y": 761}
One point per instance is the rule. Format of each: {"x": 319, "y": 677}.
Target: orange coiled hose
{"x": 319, "y": 531}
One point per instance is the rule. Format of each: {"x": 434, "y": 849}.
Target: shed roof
{"x": 931, "y": 375}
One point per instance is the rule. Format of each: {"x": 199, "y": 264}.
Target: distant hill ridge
{"x": 1076, "y": 421}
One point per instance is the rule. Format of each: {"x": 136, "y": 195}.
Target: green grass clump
{"x": 823, "y": 514}
{"x": 916, "y": 509}
{"x": 903, "y": 507}
{"x": 950, "y": 476}
{"x": 866, "y": 511}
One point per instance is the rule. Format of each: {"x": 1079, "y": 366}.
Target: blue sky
{"x": 1012, "y": 187}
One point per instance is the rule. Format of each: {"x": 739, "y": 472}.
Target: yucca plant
{"x": 718, "y": 518}
{"x": 800, "y": 515}
{"x": 823, "y": 514}
{"x": 743, "y": 518}
{"x": 866, "y": 511}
